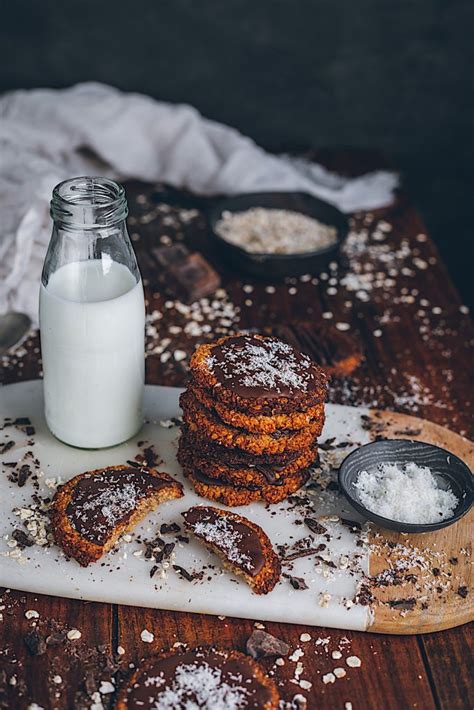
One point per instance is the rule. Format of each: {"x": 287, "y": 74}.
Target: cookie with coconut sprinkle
{"x": 92, "y": 510}
{"x": 258, "y": 374}
{"x": 210, "y": 679}
{"x": 242, "y": 545}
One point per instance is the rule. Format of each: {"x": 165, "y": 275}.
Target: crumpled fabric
{"x": 49, "y": 135}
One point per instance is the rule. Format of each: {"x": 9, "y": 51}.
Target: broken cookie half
{"x": 92, "y": 510}
{"x": 242, "y": 545}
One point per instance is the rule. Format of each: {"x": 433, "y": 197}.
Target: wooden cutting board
{"x": 443, "y": 571}
{"x": 343, "y": 592}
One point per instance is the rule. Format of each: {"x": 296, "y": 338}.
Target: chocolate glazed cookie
{"x": 257, "y": 423}
{"x": 246, "y": 470}
{"x": 232, "y": 495}
{"x": 259, "y": 375}
{"x": 203, "y": 421}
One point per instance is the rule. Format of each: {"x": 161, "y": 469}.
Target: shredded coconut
{"x": 269, "y": 365}
{"x": 407, "y": 493}
{"x": 202, "y": 683}
{"x": 221, "y": 533}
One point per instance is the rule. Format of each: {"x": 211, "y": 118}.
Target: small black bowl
{"x": 277, "y": 266}
{"x": 448, "y": 469}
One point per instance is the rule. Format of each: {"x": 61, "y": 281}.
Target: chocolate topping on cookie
{"x": 236, "y": 540}
{"x": 255, "y": 367}
{"x": 209, "y": 679}
{"x": 99, "y": 502}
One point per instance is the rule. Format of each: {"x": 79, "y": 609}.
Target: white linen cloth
{"x": 49, "y": 135}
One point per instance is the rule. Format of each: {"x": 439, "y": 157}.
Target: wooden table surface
{"x": 406, "y": 318}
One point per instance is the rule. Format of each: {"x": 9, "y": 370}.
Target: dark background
{"x": 292, "y": 74}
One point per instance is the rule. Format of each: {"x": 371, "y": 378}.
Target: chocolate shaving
{"x": 352, "y": 525}
{"x": 314, "y": 526}
{"x": 296, "y": 582}
{"x": 408, "y": 604}
{"x": 304, "y": 553}
{"x": 260, "y": 645}
{"x": 6, "y": 446}
{"x": 327, "y": 445}
{"x": 23, "y": 475}
{"x": 188, "y": 576}
{"x": 22, "y": 538}
{"x": 169, "y": 528}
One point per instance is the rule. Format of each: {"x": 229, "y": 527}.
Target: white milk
{"x": 92, "y": 317}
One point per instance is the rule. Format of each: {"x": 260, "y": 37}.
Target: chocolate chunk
{"x": 29, "y": 431}
{"x": 463, "y": 592}
{"x": 168, "y": 549}
{"x": 23, "y": 475}
{"x": 296, "y": 582}
{"x": 151, "y": 457}
{"x": 22, "y": 421}
{"x": 188, "y": 276}
{"x": 35, "y": 643}
{"x": 436, "y": 571}
{"x": 153, "y": 570}
{"x": 402, "y": 603}
{"x": 314, "y": 526}
{"x": 453, "y": 560}
{"x": 327, "y": 445}
{"x": 22, "y": 538}
{"x": 260, "y": 645}
{"x": 169, "y": 528}
{"x": 188, "y": 576}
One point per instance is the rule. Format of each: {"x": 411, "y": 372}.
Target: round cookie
{"x": 259, "y": 375}
{"x": 234, "y": 457}
{"x": 205, "y": 422}
{"x": 257, "y": 423}
{"x": 204, "y": 678}
{"x": 228, "y": 494}
{"x": 258, "y": 474}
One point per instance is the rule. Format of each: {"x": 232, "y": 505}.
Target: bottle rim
{"x": 88, "y": 202}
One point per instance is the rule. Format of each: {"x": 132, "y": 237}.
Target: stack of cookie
{"x": 252, "y": 414}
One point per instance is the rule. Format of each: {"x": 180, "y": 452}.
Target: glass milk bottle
{"x": 92, "y": 317}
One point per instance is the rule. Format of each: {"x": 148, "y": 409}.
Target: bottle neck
{"x": 88, "y": 203}
{"x": 89, "y": 216}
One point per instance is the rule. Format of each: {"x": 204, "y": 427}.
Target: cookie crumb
{"x": 74, "y": 634}
{"x": 146, "y": 636}
{"x": 31, "y": 614}
{"x": 353, "y": 661}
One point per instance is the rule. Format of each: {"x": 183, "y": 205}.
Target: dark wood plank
{"x": 391, "y": 666}
{"x": 420, "y": 364}
{"x": 54, "y": 679}
{"x": 451, "y": 659}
